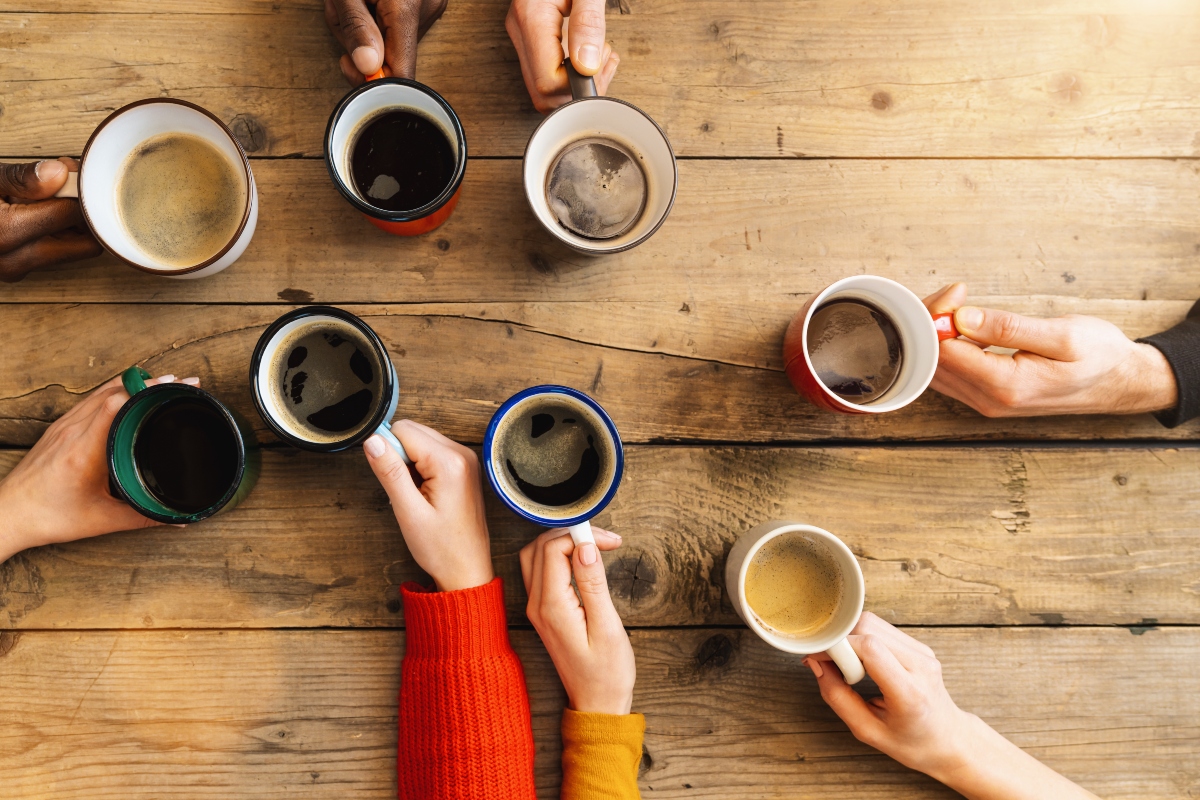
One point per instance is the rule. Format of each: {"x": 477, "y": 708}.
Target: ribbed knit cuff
{"x": 580, "y": 727}
{"x": 1181, "y": 347}
{"x": 461, "y": 625}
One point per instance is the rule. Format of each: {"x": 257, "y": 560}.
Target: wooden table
{"x": 1046, "y": 153}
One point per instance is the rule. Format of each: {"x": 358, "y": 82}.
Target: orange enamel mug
{"x": 363, "y": 105}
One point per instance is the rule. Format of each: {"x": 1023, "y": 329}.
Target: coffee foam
{"x": 547, "y": 460}
{"x": 329, "y": 377}
{"x": 794, "y": 585}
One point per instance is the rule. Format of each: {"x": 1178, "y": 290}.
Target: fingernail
{"x": 192, "y": 381}
{"x": 587, "y": 554}
{"x": 814, "y": 665}
{"x": 589, "y": 57}
{"x": 48, "y": 170}
{"x": 366, "y": 60}
{"x": 375, "y": 446}
{"x": 166, "y": 378}
{"x": 969, "y": 318}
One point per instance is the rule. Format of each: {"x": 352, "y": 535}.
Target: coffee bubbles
{"x": 596, "y": 188}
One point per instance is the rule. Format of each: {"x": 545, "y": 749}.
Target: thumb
{"x": 1046, "y": 337}
{"x": 392, "y": 473}
{"x": 592, "y": 584}
{"x": 34, "y": 181}
{"x": 585, "y": 35}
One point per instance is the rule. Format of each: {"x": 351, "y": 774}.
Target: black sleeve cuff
{"x": 1181, "y": 346}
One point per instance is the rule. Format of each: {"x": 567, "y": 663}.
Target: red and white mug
{"x": 920, "y": 334}
{"x": 377, "y": 96}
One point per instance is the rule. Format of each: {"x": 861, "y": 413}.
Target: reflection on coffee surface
{"x": 554, "y": 456}
{"x": 794, "y": 585}
{"x": 328, "y": 378}
{"x": 855, "y": 350}
{"x": 180, "y": 198}
{"x": 402, "y": 160}
{"x": 186, "y": 454}
{"x": 596, "y": 188}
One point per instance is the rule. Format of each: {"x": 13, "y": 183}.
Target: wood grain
{"x": 752, "y": 78}
{"x": 458, "y": 363}
{"x": 743, "y": 232}
{"x": 203, "y": 714}
{"x": 960, "y": 536}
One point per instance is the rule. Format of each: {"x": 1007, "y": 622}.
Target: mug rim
{"x": 670, "y": 201}
{"x": 388, "y": 386}
{"x": 780, "y": 641}
{"x": 814, "y": 305}
{"x": 230, "y": 420}
{"x": 618, "y": 448}
{"x": 237, "y": 235}
{"x": 411, "y": 215}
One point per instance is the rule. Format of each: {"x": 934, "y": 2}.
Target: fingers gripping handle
{"x": 945, "y": 327}
{"x": 581, "y": 85}
{"x": 848, "y": 662}
{"x": 134, "y": 379}
{"x": 71, "y": 187}
{"x": 582, "y": 533}
{"x": 389, "y": 437}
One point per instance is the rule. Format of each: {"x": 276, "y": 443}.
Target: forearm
{"x": 991, "y": 767}
{"x": 465, "y": 729}
{"x": 601, "y": 755}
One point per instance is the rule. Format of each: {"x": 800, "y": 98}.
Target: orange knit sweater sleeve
{"x": 465, "y": 730}
{"x": 601, "y": 755}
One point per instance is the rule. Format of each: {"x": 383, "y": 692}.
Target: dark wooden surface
{"x": 1046, "y": 154}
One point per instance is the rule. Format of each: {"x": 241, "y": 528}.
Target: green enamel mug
{"x": 177, "y": 454}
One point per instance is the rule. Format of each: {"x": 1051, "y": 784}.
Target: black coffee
{"x": 186, "y": 454}
{"x": 402, "y": 160}
{"x": 855, "y": 350}
{"x": 553, "y": 455}
{"x": 329, "y": 380}
{"x": 596, "y": 188}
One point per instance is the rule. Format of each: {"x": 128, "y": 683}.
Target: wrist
{"x": 465, "y": 579}
{"x": 617, "y": 704}
{"x": 13, "y": 535}
{"x": 1149, "y": 381}
{"x": 966, "y": 743}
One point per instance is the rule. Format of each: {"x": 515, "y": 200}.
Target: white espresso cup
{"x": 105, "y": 155}
{"x": 589, "y": 116}
{"x": 830, "y": 638}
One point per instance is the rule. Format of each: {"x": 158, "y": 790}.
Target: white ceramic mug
{"x": 591, "y": 116}
{"x": 829, "y": 639}
{"x": 111, "y": 143}
{"x": 921, "y": 333}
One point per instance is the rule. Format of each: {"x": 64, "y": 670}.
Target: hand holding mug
{"x": 37, "y": 229}
{"x": 1066, "y": 365}
{"x": 357, "y": 23}
{"x": 582, "y": 633}
{"x": 917, "y": 723}
{"x": 536, "y": 30}
{"x": 59, "y": 491}
{"x": 443, "y": 519}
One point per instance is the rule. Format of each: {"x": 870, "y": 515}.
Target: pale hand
{"x": 582, "y": 633}
{"x": 1066, "y": 365}
{"x": 38, "y": 230}
{"x": 59, "y": 490}
{"x": 443, "y": 520}
{"x": 917, "y": 723}
{"x": 380, "y": 35}
{"x": 536, "y": 30}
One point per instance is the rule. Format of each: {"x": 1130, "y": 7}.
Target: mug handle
{"x": 376, "y": 75}
{"x": 581, "y": 533}
{"x": 581, "y": 85}
{"x": 945, "y": 327}
{"x": 848, "y": 661}
{"x": 134, "y": 379}
{"x": 386, "y": 432}
{"x": 71, "y": 187}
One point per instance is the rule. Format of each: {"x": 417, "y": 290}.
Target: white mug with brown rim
{"x": 105, "y": 154}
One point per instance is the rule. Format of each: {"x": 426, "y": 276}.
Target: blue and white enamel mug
{"x": 554, "y": 457}
{"x": 323, "y": 380}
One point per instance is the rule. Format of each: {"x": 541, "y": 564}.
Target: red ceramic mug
{"x": 920, "y": 333}
{"x": 362, "y": 106}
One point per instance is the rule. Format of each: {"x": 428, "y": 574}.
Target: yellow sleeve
{"x": 601, "y": 754}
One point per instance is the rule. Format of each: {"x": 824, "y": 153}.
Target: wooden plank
{"x": 458, "y": 363}
{"x": 962, "y": 536}
{"x": 754, "y": 78}
{"x": 743, "y": 232}
{"x": 208, "y": 714}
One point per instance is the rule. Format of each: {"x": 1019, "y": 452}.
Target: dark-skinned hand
{"x": 380, "y": 34}
{"x": 37, "y": 229}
